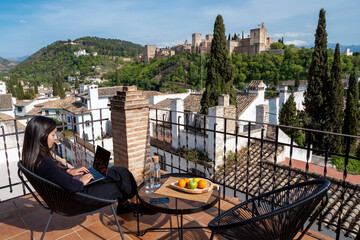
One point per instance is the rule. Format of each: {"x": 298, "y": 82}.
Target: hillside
{"x": 6, "y": 65}
{"x": 59, "y": 56}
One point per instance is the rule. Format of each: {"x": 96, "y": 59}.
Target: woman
{"x": 40, "y": 136}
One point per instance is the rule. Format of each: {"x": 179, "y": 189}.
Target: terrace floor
{"x": 24, "y": 218}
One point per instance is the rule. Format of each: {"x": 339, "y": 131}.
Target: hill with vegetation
{"x": 173, "y": 74}
{"x": 6, "y": 65}
{"x": 43, "y": 66}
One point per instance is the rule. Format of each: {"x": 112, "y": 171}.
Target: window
{"x": 68, "y": 119}
{"x": 57, "y": 112}
{"x": 87, "y": 123}
{"x": 46, "y": 112}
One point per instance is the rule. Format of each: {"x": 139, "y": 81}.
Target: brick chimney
{"x": 130, "y": 130}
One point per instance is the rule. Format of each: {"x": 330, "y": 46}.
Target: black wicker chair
{"x": 61, "y": 201}
{"x": 278, "y": 214}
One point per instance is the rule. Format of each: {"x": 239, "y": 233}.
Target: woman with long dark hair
{"x": 40, "y": 136}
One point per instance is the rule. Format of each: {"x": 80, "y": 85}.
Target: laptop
{"x": 100, "y": 165}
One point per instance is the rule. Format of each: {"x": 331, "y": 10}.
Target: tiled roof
{"x": 36, "y": 111}
{"x": 243, "y": 101}
{"x": 164, "y": 104}
{"x": 58, "y": 103}
{"x": 76, "y": 108}
{"x": 149, "y": 94}
{"x": 8, "y": 120}
{"x": 303, "y": 83}
{"x": 5, "y": 101}
{"x": 23, "y": 103}
{"x": 254, "y": 84}
{"x": 103, "y": 92}
{"x": 261, "y": 180}
{"x": 192, "y": 102}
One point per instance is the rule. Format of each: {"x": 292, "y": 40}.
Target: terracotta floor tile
{"x": 12, "y": 227}
{"x": 98, "y": 230}
{"x": 78, "y": 222}
{"x": 71, "y": 236}
{"x": 21, "y": 236}
{"x": 56, "y": 229}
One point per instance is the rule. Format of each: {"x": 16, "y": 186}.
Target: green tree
{"x": 55, "y": 88}
{"x": 351, "y": 120}
{"x": 19, "y": 88}
{"x": 117, "y": 78}
{"x": 220, "y": 72}
{"x": 60, "y": 86}
{"x": 333, "y": 95}
{"x": 77, "y": 83}
{"x": 36, "y": 90}
{"x": 318, "y": 74}
{"x": 288, "y": 116}
{"x": 276, "y": 45}
{"x": 10, "y": 86}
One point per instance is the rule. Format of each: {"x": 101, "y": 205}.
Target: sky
{"x": 26, "y": 26}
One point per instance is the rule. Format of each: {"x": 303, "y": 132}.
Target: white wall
{"x": 158, "y": 98}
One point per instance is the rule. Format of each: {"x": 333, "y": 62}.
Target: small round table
{"x": 175, "y": 205}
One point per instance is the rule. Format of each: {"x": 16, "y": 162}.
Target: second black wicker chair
{"x": 63, "y": 202}
{"x": 278, "y": 214}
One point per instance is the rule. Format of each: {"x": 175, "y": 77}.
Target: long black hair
{"x": 35, "y": 147}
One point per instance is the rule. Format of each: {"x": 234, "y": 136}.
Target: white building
{"x": 92, "y": 106}
{"x": 80, "y": 52}
{"x": 93, "y": 80}
{"x": 2, "y": 87}
{"x": 22, "y": 107}
{"x": 348, "y": 52}
{"x": 7, "y": 104}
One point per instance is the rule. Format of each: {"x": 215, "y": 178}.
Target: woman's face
{"x": 51, "y": 138}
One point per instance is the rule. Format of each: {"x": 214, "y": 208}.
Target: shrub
{"x": 353, "y": 164}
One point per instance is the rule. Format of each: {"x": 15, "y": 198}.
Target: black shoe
{"x": 144, "y": 211}
{"x": 128, "y": 207}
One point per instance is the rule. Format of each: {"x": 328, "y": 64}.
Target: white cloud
{"x": 22, "y": 21}
{"x": 292, "y": 34}
{"x": 297, "y": 42}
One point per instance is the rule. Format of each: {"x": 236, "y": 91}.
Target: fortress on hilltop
{"x": 256, "y": 42}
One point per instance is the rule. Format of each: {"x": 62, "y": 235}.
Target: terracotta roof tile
{"x": 60, "y": 103}
{"x": 103, "y": 92}
{"x": 149, "y": 94}
{"x": 243, "y": 101}
{"x": 76, "y": 108}
{"x": 192, "y": 102}
{"x": 5, "y": 101}
{"x": 8, "y": 120}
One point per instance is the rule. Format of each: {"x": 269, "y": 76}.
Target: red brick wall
{"x": 130, "y": 130}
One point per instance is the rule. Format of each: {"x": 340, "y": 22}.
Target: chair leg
{"x": 47, "y": 225}
{"x": 117, "y": 222}
{"x": 212, "y": 235}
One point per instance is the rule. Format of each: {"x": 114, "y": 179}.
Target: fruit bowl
{"x": 209, "y": 187}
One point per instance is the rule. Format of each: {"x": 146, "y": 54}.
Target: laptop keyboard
{"x": 95, "y": 173}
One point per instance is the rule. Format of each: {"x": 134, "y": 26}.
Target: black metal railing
{"x": 246, "y": 158}
{"x": 259, "y": 165}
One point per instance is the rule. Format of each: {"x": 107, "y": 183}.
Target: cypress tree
{"x": 318, "y": 74}
{"x": 19, "y": 88}
{"x": 55, "y": 88}
{"x": 351, "y": 120}
{"x": 297, "y": 80}
{"x": 333, "y": 95}
{"x": 288, "y": 116}
{"x": 36, "y": 90}
{"x": 117, "y": 79}
{"x": 11, "y": 84}
{"x": 220, "y": 72}
{"x": 77, "y": 83}
{"x": 60, "y": 86}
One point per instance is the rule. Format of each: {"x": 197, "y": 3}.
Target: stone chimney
{"x": 262, "y": 114}
{"x": 93, "y": 93}
{"x": 130, "y": 130}
{"x": 229, "y": 112}
{"x": 177, "y": 120}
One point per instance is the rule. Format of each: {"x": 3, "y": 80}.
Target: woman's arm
{"x": 48, "y": 170}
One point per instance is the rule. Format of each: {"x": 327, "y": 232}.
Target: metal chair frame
{"x": 61, "y": 201}
{"x": 264, "y": 216}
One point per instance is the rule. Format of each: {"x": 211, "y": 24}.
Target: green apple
{"x": 193, "y": 184}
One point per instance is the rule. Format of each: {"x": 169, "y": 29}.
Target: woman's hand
{"x": 78, "y": 171}
{"x": 85, "y": 179}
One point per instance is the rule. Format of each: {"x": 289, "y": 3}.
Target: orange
{"x": 202, "y": 184}
{"x": 187, "y": 181}
{"x": 181, "y": 183}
